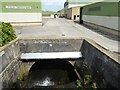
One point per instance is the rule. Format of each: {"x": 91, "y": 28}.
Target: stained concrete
{"x": 9, "y": 66}
{"x": 105, "y": 69}
{"x": 104, "y": 65}
{"x": 49, "y": 45}
{"x": 66, "y": 29}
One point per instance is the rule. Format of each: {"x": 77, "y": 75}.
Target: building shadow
{"x": 105, "y": 34}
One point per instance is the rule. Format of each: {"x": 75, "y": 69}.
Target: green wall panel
{"x": 21, "y": 0}
{"x": 36, "y": 7}
{"x": 0, "y": 6}
{"x": 102, "y": 9}
{"x": 119, "y": 9}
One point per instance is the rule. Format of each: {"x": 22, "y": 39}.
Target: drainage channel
{"x": 54, "y": 74}
{"x": 95, "y": 67}
{"x": 50, "y": 74}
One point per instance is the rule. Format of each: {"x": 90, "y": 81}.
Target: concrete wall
{"x": 9, "y": 64}
{"x": 73, "y": 13}
{"x": 103, "y": 65}
{"x": 76, "y": 13}
{"x": 11, "y": 67}
{"x": 49, "y": 45}
{"x": 21, "y": 17}
{"x": 68, "y": 13}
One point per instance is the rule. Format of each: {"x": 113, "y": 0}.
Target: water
{"x": 51, "y": 73}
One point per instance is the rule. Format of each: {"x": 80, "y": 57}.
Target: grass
{"x": 48, "y": 13}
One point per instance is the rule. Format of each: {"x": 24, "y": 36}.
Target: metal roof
{"x": 88, "y": 1}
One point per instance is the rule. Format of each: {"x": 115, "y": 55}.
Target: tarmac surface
{"x": 64, "y": 28}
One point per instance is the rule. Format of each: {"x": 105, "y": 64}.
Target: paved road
{"x": 62, "y": 28}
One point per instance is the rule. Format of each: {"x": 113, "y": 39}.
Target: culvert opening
{"x": 51, "y": 73}
{"x": 100, "y": 77}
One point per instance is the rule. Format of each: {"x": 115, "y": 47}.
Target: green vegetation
{"x": 48, "y": 13}
{"x": 85, "y": 84}
{"x": 21, "y": 79}
{"x": 6, "y": 33}
{"x": 86, "y": 81}
{"x": 79, "y": 84}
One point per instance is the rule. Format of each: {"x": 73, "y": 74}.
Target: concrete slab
{"x": 63, "y": 28}
{"x": 26, "y": 24}
{"x": 52, "y": 55}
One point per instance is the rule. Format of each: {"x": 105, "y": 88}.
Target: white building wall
{"x": 110, "y": 22}
{"x": 20, "y": 17}
{"x": 75, "y": 5}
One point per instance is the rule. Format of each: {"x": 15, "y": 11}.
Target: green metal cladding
{"x": 35, "y": 6}
{"x": 102, "y": 9}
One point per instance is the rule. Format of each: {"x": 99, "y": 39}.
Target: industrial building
{"x": 69, "y": 8}
{"x": 102, "y": 16}
{"x": 20, "y": 11}
{"x": 72, "y": 8}
{"x": 73, "y": 13}
{"x": 61, "y": 13}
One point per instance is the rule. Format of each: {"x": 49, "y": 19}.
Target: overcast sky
{"x": 52, "y": 5}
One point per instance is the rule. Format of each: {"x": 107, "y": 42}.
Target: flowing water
{"x": 51, "y": 73}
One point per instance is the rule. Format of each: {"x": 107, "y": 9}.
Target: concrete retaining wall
{"x": 104, "y": 68}
{"x": 103, "y": 65}
{"x": 49, "y": 45}
{"x": 9, "y": 64}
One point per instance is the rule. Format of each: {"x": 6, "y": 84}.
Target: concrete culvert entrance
{"x": 95, "y": 66}
{"x": 51, "y": 73}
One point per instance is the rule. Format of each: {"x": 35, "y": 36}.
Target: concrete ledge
{"x": 52, "y": 55}
{"x": 10, "y": 43}
{"x": 101, "y": 62}
{"x": 27, "y": 24}
{"x": 104, "y": 30}
{"x": 8, "y": 53}
{"x": 46, "y": 17}
{"x": 110, "y": 54}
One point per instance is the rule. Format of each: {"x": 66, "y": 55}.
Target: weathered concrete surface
{"x": 103, "y": 65}
{"x": 106, "y": 31}
{"x": 26, "y": 24}
{"x": 9, "y": 53}
{"x": 9, "y": 64}
{"x": 62, "y": 28}
{"x": 51, "y": 55}
{"x": 49, "y": 45}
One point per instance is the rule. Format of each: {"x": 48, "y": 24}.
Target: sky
{"x": 52, "y": 5}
